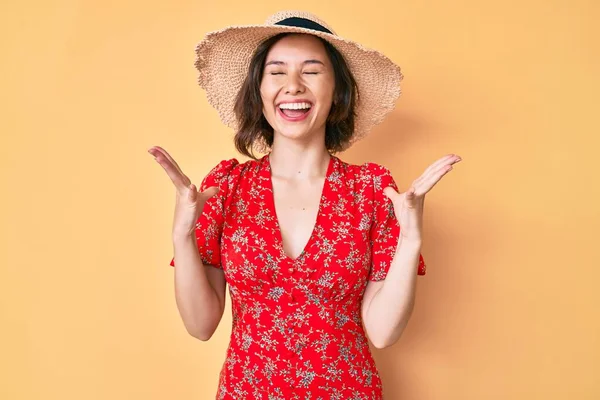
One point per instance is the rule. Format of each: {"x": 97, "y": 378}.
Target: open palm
{"x": 189, "y": 201}
{"x": 408, "y": 206}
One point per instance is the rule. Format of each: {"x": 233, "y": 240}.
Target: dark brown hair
{"x": 252, "y": 124}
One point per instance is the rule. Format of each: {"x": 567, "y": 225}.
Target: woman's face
{"x": 297, "y": 87}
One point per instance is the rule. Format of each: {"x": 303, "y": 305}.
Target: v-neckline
{"x": 271, "y": 203}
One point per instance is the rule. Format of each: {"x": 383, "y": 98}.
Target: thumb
{"x": 410, "y": 197}
{"x": 192, "y": 192}
{"x": 390, "y": 192}
{"x": 211, "y": 191}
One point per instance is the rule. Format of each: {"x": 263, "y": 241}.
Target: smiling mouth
{"x": 294, "y": 111}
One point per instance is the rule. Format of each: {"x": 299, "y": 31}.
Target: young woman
{"x": 310, "y": 245}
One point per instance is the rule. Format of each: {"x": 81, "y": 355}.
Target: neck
{"x": 292, "y": 161}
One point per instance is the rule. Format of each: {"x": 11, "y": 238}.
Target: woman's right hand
{"x": 189, "y": 201}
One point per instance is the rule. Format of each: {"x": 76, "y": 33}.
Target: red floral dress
{"x": 297, "y": 329}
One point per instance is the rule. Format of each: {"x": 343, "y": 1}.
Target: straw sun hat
{"x": 223, "y": 58}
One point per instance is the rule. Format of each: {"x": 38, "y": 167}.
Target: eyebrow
{"x": 311, "y": 61}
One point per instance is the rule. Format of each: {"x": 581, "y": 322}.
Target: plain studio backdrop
{"x": 508, "y": 308}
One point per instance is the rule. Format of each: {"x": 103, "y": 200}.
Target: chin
{"x": 294, "y": 133}
{"x": 297, "y": 131}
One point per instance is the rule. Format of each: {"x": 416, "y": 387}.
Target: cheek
{"x": 325, "y": 92}
{"x": 265, "y": 97}
{"x": 326, "y": 99}
{"x": 268, "y": 88}
{"x": 267, "y": 103}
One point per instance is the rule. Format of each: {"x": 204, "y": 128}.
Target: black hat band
{"x": 303, "y": 23}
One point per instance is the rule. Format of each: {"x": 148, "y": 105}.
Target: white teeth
{"x": 294, "y": 106}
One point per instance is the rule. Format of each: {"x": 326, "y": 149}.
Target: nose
{"x": 294, "y": 84}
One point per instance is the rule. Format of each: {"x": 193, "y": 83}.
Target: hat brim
{"x": 223, "y": 57}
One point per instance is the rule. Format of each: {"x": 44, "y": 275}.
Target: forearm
{"x": 392, "y": 306}
{"x": 197, "y": 301}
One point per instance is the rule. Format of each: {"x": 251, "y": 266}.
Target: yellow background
{"x": 509, "y": 306}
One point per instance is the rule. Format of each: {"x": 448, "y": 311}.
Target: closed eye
{"x": 282, "y": 73}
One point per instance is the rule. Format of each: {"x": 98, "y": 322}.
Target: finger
{"x": 160, "y": 150}
{"x": 413, "y": 199}
{"x": 179, "y": 180}
{"x": 211, "y": 191}
{"x": 447, "y": 159}
{"x": 426, "y": 184}
{"x": 410, "y": 197}
{"x": 192, "y": 193}
{"x": 390, "y": 192}
{"x": 208, "y": 193}
{"x": 170, "y": 166}
{"x": 436, "y": 167}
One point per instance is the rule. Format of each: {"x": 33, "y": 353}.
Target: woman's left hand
{"x": 408, "y": 206}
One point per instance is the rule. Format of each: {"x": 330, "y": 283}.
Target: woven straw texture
{"x": 223, "y": 57}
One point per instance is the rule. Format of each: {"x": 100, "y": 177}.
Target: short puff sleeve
{"x": 385, "y": 229}
{"x": 210, "y": 222}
